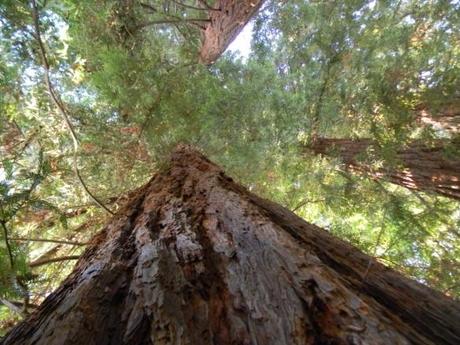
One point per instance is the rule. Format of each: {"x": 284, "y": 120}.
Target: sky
{"x": 242, "y": 42}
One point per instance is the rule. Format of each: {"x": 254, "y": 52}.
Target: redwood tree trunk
{"x": 445, "y": 119}
{"x": 422, "y": 168}
{"x": 194, "y": 258}
{"x": 225, "y": 24}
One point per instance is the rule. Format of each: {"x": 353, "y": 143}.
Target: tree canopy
{"x": 94, "y": 94}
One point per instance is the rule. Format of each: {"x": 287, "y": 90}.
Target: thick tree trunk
{"x": 194, "y": 258}
{"x": 422, "y": 168}
{"x": 225, "y": 25}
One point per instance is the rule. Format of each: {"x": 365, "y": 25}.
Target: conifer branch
{"x": 60, "y": 106}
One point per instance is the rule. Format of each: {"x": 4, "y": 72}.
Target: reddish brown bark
{"x": 194, "y": 258}
{"x": 422, "y": 168}
{"x": 446, "y": 119}
{"x": 223, "y": 22}
{"x": 225, "y": 25}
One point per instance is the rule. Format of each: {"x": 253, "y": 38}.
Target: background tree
{"x": 421, "y": 167}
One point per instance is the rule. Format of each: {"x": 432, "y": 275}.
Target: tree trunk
{"x": 194, "y": 258}
{"x": 445, "y": 120}
{"x": 225, "y": 25}
{"x": 423, "y": 168}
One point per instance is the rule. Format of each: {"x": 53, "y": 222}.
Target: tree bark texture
{"x": 423, "y": 168}
{"x": 225, "y": 25}
{"x": 194, "y": 258}
{"x": 446, "y": 119}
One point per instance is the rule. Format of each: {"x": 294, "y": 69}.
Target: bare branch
{"x": 205, "y": 4}
{"x": 149, "y": 7}
{"x": 306, "y": 202}
{"x": 60, "y": 106}
{"x": 7, "y": 242}
{"x": 24, "y": 239}
{"x": 21, "y": 304}
{"x": 377, "y": 243}
{"x": 206, "y": 8}
{"x": 12, "y": 307}
{"x": 194, "y": 21}
{"x": 38, "y": 263}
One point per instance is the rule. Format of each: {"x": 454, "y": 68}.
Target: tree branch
{"x": 149, "y": 7}
{"x": 59, "y": 105}
{"x": 305, "y": 202}
{"x": 12, "y": 307}
{"x": 376, "y": 246}
{"x": 21, "y": 304}
{"x": 38, "y": 263}
{"x": 7, "y": 242}
{"x": 24, "y": 239}
{"x": 194, "y": 21}
{"x": 207, "y": 7}
{"x": 205, "y": 4}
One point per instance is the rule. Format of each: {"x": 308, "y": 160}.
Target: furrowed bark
{"x": 225, "y": 25}
{"x": 194, "y": 258}
{"x": 423, "y": 168}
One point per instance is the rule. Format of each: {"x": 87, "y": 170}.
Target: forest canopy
{"x": 345, "y": 112}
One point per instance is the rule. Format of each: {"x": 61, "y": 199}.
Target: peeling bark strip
{"x": 225, "y": 25}
{"x": 194, "y": 258}
{"x": 423, "y": 168}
